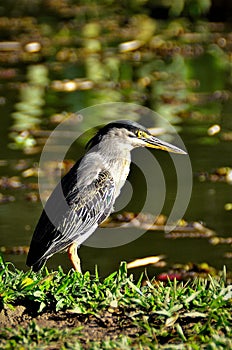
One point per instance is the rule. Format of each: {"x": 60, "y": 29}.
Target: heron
{"x": 85, "y": 196}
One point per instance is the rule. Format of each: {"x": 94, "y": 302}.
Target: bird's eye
{"x": 141, "y": 134}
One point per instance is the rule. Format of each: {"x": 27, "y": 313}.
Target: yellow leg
{"x": 74, "y": 258}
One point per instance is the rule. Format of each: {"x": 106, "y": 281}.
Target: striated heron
{"x": 86, "y": 194}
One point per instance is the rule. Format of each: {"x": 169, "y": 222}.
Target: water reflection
{"x": 72, "y": 60}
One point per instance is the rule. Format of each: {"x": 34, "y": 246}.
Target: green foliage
{"x": 61, "y": 291}
{"x": 194, "y": 314}
{"x": 192, "y": 8}
{"x": 33, "y": 334}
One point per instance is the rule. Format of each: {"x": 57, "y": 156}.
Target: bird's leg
{"x": 74, "y": 258}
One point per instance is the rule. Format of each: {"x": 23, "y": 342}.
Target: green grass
{"x": 175, "y": 315}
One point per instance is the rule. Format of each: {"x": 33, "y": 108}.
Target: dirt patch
{"x": 109, "y": 324}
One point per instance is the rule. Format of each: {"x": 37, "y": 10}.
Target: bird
{"x": 85, "y": 196}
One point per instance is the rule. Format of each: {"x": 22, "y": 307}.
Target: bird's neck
{"x": 117, "y": 160}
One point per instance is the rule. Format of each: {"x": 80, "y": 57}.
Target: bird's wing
{"x": 89, "y": 206}
{"x": 72, "y": 214}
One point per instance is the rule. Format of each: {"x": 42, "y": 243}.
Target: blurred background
{"x": 174, "y": 57}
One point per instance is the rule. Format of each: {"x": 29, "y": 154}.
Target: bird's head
{"x": 131, "y": 134}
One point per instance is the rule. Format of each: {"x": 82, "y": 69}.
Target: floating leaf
{"x": 145, "y": 261}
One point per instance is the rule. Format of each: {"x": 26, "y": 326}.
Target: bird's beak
{"x": 153, "y": 142}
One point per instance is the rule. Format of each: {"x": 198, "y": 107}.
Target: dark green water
{"x": 19, "y": 218}
{"x": 186, "y": 79}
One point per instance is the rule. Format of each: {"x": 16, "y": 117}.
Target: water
{"x": 191, "y": 89}
{"x": 19, "y": 218}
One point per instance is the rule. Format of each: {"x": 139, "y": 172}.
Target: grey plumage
{"x": 72, "y": 214}
{"x": 86, "y": 194}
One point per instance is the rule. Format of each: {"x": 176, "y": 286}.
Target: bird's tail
{"x": 38, "y": 265}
